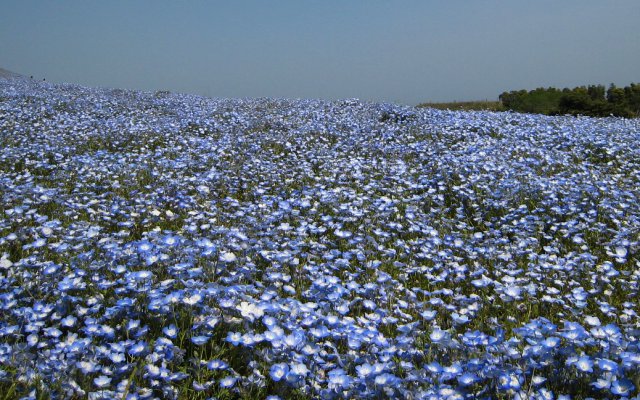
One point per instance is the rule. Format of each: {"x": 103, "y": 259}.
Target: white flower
{"x": 299, "y": 369}
{"x": 250, "y": 311}
{"x": 228, "y": 257}
{"x": 621, "y": 251}
{"x": 438, "y": 335}
{"x": 5, "y": 263}
{"x": 593, "y": 321}
{"x": 102, "y": 381}
{"x": 193, "y": 299}
{"x": 342, "y": 234}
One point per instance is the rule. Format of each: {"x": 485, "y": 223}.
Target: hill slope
{"x": 164, "y": 244}
{"x": 4, "y": 73}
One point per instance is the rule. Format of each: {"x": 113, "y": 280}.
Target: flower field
{"x": 157, "y": 245}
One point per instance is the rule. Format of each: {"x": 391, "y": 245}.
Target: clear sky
{"x": 404, "y": 51}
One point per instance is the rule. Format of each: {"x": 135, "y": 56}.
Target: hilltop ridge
{"x": 4, "y": 73}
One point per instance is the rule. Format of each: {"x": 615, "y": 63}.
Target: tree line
{"x": 592, "y": 100}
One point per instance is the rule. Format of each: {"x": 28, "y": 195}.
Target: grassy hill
{"x": 4, "y": 73}
{"x": 480, "y": 105}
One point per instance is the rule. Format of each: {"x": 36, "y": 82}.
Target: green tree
{"x": 615, "y": 95}
{"x": 596, "y": 92}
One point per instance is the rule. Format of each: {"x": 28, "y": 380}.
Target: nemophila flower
{"x": 467, "y": 379}
{"x": 117, "y": 358}
{"x": 482, "y": 282}
{"x": 138, "y": 349}
{"x": 269, "y": 322}
{"x": 584, "y": 364}
{"x": 5, "y": 263}
{"x": 475, "y": 338}
{"x": 439, "y": 336}
{"x": 217, "y": 365}
{"x": 538, "y": 380}
{"x": 102, "y": 381}
{"x": 343, "y": 234}
{"x": 602, "y": 383}
{"x": 140, "y": 275}
{"x": 620, "y": 251}
{"x": 86, "y": 367}
{"x": 171, "y": 240}
{"x": 574, "y": 331}
{"x": 199, "y": 340}
{"x": 32, "y": 339}
{"x": 132, "y": 324}
{"x": 278, "y": 371}
{"x": 630, "y": 359}
{"x": 192, "y": 299}
{"x": 592, "y": 321}
{"x": 509, "y": 381}
{"x": 249, "y": 339}
{"x": 228, "y": 382}
{"x": 364, "y": 370}
{"x": 459, "y": 319}
{"x": 144, "y": 246}
{"x": 606, "y": 365}
{"x": 512, "y": 293}
{"x": 298, "y": 369}
{"x": 50, "y": 269}
{"x": 153, "y": 370}
{"x": 611, "y": 330}
{"x": 170, "y": 331}
{"x": 386, "y": 379}
{"x": 250, "y": 311}
{"x": 294, "y": 340}
{"x": 235, "y": 338}
{"x": 551, "y": 342}
{"x": 622, "y": 387}
{"x": 338, "y": 379}
{"x": 428, "y": 315}
{"x": 228, "y": 257}
{"x": 202, "y": 387}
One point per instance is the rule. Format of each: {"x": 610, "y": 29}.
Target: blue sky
{"x": 396, "y": 51}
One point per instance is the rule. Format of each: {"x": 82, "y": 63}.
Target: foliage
{"x": 591, "y": 101}
{"x": 481, "y": 105}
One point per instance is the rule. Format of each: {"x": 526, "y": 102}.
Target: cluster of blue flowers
{"x": 157, "y": 245}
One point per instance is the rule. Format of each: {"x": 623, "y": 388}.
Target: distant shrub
{"x": 162, "y": 93}
{"x": 582, "y": 100}
{"x": 538, "y": 101}
{"x": 480, "y": 105}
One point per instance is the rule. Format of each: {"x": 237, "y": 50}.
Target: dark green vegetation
{"x": 592, "y": 100}
{"x": 480, "y": 105}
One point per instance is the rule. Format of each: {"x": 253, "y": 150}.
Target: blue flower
{"x": 468, "y": 379}
{"x": 228, "y": 382}
{"x": 138, "y": 349}
{"x": 622, "y": 387}
{"x": 509, "y": 381}
{"x": 217, "y": 365}
{"x": 338, "y": 379}
{"x": 102, "y": 381}
{"x": 386, "y": 379}
{"x": 278, "y": 371}
{"x": 235, "y": 338}
{"x": 199, "y": 340}
{"x": 364, "y": 370}
{"x": 171, "y": 331}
